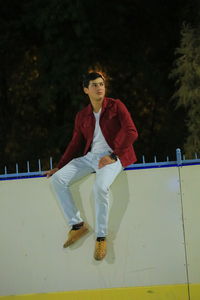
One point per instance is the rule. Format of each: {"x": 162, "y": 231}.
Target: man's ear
{"x": 85, "y": 90}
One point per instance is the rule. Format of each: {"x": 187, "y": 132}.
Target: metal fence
{"x": 180, "y": 161}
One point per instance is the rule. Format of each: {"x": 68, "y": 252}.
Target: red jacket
{"x": 117, "y": 128}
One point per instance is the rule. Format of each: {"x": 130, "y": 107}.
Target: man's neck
{"x": 96, "y": 105}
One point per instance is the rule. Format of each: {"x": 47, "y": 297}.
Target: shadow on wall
{"x": 120, "y": 200}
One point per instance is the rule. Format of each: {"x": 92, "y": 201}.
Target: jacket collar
{"x": 105, "y": 103}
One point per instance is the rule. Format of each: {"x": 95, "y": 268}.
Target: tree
{"x": 187, "y": 74}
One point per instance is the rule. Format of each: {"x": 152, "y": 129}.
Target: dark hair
{"x": 91, "y": 76}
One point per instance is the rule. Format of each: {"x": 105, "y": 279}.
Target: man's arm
{"x": 72, "y": 149}
{"x": 74, "y": 146}
{"x": 128, "y": 134}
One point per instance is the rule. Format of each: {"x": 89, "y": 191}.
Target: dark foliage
{"x": 46, "y": 46}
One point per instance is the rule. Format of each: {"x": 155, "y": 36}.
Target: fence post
{"x": 178, "y": 157}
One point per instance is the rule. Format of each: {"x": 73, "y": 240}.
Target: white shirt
{"x": 99, "y": 144}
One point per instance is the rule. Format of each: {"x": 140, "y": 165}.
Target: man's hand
{"x": 51, "y": 172}
{"x": 106, "y": 160}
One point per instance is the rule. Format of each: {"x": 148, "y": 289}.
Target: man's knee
{"x": 57, "y": 179}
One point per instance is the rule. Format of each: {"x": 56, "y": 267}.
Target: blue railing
{"x": 180, "y": 161}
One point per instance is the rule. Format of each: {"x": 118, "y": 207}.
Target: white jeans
{"x": 73, "y": 171}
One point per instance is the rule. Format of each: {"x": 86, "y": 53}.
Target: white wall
{"x": 146, "y": 234}
{"x": 190, "y": 182}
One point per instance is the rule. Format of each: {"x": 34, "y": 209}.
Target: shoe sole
{"x": 99, "y": 258}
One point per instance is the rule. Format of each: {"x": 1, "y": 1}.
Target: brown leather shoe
{"x": 100, "y": 250}
{"x": 75, "y": 235}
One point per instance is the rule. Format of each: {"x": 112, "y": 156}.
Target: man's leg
{"x": 61, "y": 182}
{"x": 104, "y": 178}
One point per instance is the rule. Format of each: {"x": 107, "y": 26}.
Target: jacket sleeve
{"x": 74, "y": 146}
{"x": 128, "y": 134}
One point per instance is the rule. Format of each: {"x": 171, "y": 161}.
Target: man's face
{"x": 96, "y": 89}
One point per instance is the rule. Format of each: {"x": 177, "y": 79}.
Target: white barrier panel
{"x": 145, "y": 242}
{"x": 190, "y": 183}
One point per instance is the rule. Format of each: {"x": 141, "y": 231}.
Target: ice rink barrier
{"x": 153, "y": 242}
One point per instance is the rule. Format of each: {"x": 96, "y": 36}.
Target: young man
{"x": 105, "y": 131}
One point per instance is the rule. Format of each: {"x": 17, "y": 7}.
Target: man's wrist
{"x": 113, "y": 156}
